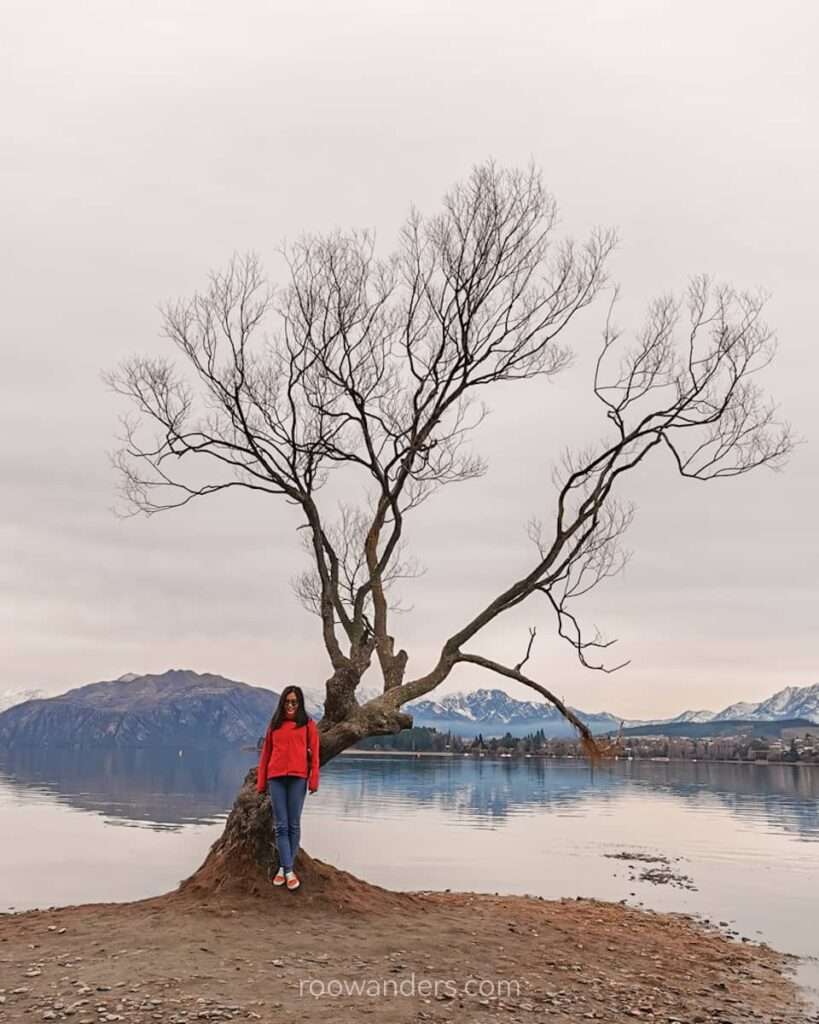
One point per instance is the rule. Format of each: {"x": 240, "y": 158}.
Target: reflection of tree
{"x": 155, "y": 787}
{"x": 161, "y": 789}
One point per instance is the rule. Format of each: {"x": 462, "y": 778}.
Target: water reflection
{"x": 474, "y": 792}
{"x": 157, "y": 788}
{"x": 161, "y": 789}
{"x": 784, "y": 797}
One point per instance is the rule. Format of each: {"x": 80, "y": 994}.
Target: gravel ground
{"x": 434, "y": 957}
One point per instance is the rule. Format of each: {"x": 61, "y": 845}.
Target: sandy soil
{"x": 345, "y": 951}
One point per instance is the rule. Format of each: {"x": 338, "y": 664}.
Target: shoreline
{"x": 360, "y": 953}
{"x": 351, "y": 751}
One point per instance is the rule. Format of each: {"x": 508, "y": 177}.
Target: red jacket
{"x": 284, "y": 752}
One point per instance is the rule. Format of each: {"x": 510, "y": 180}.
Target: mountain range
{"x": 494, "y": 712}
{"x": 490, "y": 711}
{"x": 184, "y": 708}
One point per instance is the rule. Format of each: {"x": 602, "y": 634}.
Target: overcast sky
{"x": 147, "y": 141}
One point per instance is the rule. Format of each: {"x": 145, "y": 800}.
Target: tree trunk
{"x": 243, "y": 859}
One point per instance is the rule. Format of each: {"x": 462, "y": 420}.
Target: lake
{"x": 740, "y": 841}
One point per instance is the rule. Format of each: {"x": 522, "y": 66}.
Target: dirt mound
{"x": 242, "y": 860}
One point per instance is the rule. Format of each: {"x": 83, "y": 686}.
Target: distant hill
{"x": 792, "y": 702}
{"x": 721, "y": 727}
{"x": 177, "y": 708}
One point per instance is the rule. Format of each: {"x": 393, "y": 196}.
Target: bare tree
{"x": 379, "y": 366}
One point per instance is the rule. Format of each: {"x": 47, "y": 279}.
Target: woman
{"x": 288, "y": 767}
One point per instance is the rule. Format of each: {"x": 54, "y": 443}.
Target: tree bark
{"x": 243, "y": 859}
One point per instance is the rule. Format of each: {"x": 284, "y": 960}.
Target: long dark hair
{"x": 279, "y": 716}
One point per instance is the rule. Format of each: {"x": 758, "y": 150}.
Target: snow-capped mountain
{"x": 10, "y": 698}
{"x": 482, "y": 705}
{"x": 742, "y": 710}
{"x": 494, "y": 712}
{"x": 690, "y": 717}
{"x": 694, "y": 716}
{"x": 792, "y": 702}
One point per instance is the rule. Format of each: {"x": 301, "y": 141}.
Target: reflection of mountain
{"x": 785, "y": 796}
{"x": 472, "y": 791}
{"x": 161, "y": 789}
{"x": 686, "y": 778}
{"x": 155, "y": 787}
{"x": 484, "y": 791}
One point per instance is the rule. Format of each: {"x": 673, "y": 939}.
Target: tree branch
{"x": 586, "y": 736}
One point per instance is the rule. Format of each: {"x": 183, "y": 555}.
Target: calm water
{"x": 80, "y": 826}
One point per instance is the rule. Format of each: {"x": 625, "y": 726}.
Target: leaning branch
{"x": 586, "y": 737}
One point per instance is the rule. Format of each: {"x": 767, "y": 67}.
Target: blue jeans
{"x": 287, "y": 793}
